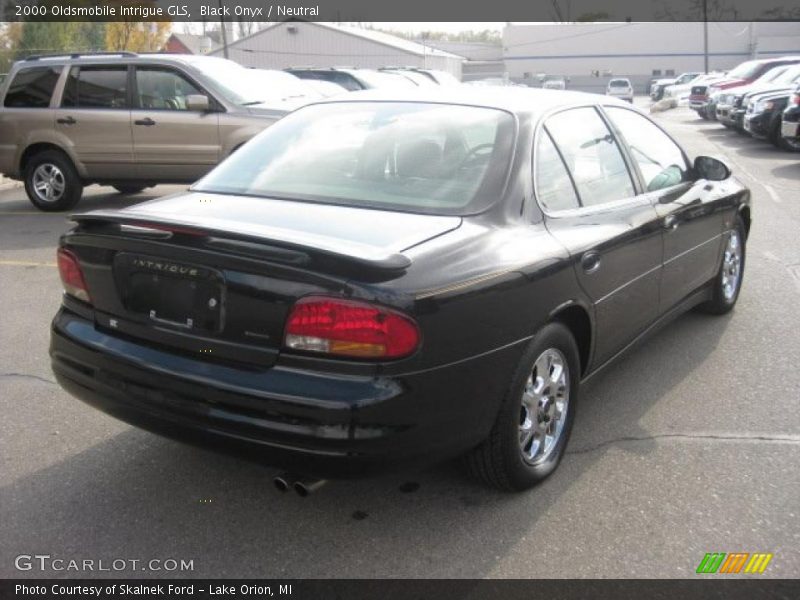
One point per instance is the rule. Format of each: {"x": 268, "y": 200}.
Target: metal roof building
{"x": 314, "y": 44}
{"x": 590, "y": 53}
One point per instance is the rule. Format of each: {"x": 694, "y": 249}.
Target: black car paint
{"x": 767, "y": 124}
{"x": 791, "y": 114}
{"x": 479, "y": 292}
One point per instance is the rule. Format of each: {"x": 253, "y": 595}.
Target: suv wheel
{"x": 51, "y": 181}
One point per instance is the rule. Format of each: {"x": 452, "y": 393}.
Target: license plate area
{"x": 179, "y": 295}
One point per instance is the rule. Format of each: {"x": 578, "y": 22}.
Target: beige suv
{"x": 127, "y": 120}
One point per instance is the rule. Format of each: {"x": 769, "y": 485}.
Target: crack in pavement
{"x": 29, "y": 376}
{"x": 720, "y": 437}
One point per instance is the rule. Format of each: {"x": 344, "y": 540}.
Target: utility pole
{"x": 705, "y": 35}
{"x": 222, "y": 30}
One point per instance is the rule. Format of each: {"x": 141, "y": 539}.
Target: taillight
{"x": 349, "y": 328}
{"x": 796, "y": 99}
{"x": 71, "y": 275}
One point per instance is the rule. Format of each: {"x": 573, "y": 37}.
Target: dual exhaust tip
{"x": 303, "y": 486}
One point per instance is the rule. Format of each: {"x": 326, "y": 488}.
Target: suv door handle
{"x": 590, "y": 261}
{"x": 146, "y": 122}
{"x": 66, "y": 121}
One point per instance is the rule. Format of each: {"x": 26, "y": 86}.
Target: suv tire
{"x": 51, "y": 181}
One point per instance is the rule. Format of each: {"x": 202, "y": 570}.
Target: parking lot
{"x": 688, "y": 445}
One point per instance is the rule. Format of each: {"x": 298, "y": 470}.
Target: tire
{"x": 45, "y": 173}
{"x": 129, "y": 189}
{"x": 774, "y": 131}
{"x": 789, "y": 145}
{"x": 498, "y": 461}
{"x": 702, "y": 113}
{"x": 725, "y": 293}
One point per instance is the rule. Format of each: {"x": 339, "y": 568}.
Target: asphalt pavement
{"x": 690, "y": 444}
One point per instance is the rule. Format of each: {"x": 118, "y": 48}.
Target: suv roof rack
{"x": 80, "y": 54}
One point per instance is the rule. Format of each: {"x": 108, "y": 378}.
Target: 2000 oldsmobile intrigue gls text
{"x": 387, "y": 280}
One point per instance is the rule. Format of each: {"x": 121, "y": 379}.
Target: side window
{"x": 553, "y": 186}
{"x": 96, "y": 87}
{"x": 660, "y": 160}
{"x": 592, "y": 156}
{"x": 32, "y": 88}
{"x": 163, "y": 89}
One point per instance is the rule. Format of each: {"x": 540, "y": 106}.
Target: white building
{"x": 310, "y": 44}
{"x": 590, "y": 53}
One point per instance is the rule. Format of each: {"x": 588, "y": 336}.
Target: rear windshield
{"x": 32, "y": 88}
{"x": 619, "y": 83}
{"x": 407, "y": 156}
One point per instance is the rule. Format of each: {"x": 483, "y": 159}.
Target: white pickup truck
{"x": 657, "y": 87}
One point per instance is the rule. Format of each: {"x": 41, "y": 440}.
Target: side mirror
{"x": 197, "y": 103}
{"x": 711, "y": 168}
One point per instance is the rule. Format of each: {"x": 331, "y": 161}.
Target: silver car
{"x": 620, "y": 87}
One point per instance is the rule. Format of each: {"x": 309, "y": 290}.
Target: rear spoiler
{"x": 250, "y": 236}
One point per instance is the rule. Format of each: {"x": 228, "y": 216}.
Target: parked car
{"x": 554, "y": 83}
{"x": 681, "y": 91}
{"x": 790, "y": 125}
{"x": 704, "y": 97}
{"x": 733, "y": 104}
{"x": 441, "y": 77}
{"x": 494, "y": 82}
{"x": 764, "y": 115}
{"x": 283, "y": 90}
{"x": 126, "y": 120}
{"x": 325, "y": 88}
{"x": 353, "y": 79}
{"x": 729, "y": 107}
{"x": 658, "y": 87}
{"x": 434, "y": 75}
{"x": 620, "y": 87}
{"x": 417, "y": 78}
{"x": 399, "y": 278}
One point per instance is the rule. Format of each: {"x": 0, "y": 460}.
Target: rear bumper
{"x": 322, "y": 424}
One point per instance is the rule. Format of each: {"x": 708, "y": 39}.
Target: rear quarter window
{"x": 32, "y": 87}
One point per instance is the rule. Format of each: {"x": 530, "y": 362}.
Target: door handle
{"x": 670, "y": 222}
{"x": 590, "y": 261}
{"x": 66, "y": 121}
{"x": 148, "y": 122}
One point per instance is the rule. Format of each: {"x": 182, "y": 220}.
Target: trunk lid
{"x": 216, "y": 275}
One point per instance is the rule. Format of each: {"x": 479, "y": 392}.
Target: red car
{"x": 700, "y": 99}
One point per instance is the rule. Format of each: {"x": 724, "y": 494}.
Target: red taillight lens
{"x": 71, "y": 275}
{"x": 796, "y": 99}
{"x": 349, "y": 328}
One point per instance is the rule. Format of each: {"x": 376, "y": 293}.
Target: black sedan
{"x": 390, "y": 280}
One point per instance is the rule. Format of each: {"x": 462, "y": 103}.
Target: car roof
{"x": 517, "y": 100}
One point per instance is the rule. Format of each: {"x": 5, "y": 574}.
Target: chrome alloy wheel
{"x": 545, "y": 401}
{"x": 732, "y": 266}
{"x": 48, "y": 182}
